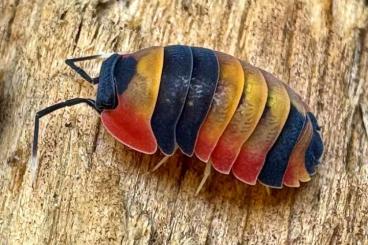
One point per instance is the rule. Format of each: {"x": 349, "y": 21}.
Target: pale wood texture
{"x": 92, "y": 190}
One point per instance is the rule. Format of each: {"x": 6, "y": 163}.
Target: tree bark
{"x": 93, "y": 190}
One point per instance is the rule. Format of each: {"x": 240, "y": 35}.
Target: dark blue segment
{"x": 174, "y": 86}
{"x": 273, "y": 171}
{"x": 202, "y": 88}
{"x": 317, "y": 139}
{"x": 315, "y": 148}
{"x": 106, "y": 94}
{"x": 124, "y": 71}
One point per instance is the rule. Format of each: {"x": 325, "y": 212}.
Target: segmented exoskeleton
{"x": 233, "y": 116}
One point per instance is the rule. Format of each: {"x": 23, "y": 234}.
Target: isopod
{"x": 233, "y": 116}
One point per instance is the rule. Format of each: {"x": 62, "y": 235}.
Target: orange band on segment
{"x": 254, "y": 151}
{"x": 244, "y": 121}
{"x": 296, "y": 170}
{"x": 224, "y": 104}
{"x": 130, "y": 121}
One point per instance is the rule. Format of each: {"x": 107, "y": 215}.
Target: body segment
{"x": 202, "y": 87}
{"x": 224, "y": 103}
{"x": 296, "y": 171}
{"x": 137, "y": 80}
{"x": 174, "y": 86}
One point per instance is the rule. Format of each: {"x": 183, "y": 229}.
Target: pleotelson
{"x": 239, "y": 118}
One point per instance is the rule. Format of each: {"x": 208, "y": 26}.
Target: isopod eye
{"x": 106, "y": 91}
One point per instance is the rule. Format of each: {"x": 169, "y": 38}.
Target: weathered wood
{"x": 91, "y": 189}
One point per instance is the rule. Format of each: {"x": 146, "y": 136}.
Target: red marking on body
{"x": 223, "y": 158}
{"x": 248, "y": 165}
{"x": 204, "y": 148}
{"x": 291, "y": 177}
{"x": 132, "y": 129}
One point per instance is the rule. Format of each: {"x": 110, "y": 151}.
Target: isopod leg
{"x": 206, "y": 174}
{"x": 160, "y": 163}
{"x": 44, "y": 112}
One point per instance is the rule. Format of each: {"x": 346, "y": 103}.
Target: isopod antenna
{"x": 71, "y": 63}
{"x": 49, "y": 110}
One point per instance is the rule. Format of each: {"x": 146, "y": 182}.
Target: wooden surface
{"x": 93, "y": 190}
